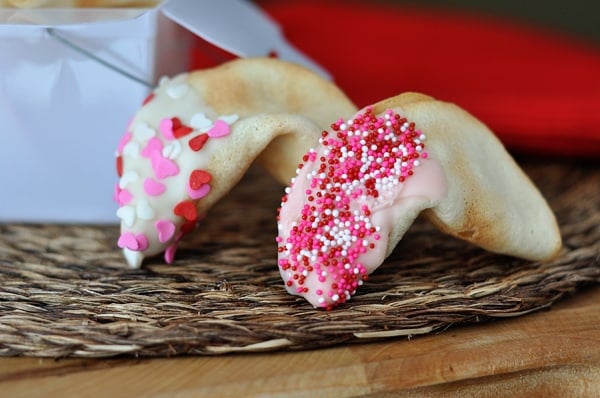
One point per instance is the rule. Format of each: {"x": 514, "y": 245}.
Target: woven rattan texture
{"x": 64, "y": 289}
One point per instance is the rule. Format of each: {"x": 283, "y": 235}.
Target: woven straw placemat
{"x": 64, "y": 290}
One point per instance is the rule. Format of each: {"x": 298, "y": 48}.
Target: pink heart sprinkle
{"x": 116, "y": 192}
{"x": 153, "y": 187}
{"x": 124, "y": 140}
{"x": 128, "y": 241}
{"x": 153, "y": 146}
{"x": 163, "y": 167}
{"x": 124, "y": 197}
{"x": 166, "y": 128}
{"x": 198, "y": 193}
{"x": 165, "y": 229}
{"x": 170, "y": 253}
{"x": 220, "y": 128}
{"x": 142, "y": 241}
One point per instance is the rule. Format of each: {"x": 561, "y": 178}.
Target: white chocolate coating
{"x": 159, "y": 167}
{"x": 197, "y": 134}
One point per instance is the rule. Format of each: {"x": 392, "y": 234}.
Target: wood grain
{"x": 554, "y": 353}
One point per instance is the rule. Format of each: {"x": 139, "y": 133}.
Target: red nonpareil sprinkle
{"x": 361, "y": 162}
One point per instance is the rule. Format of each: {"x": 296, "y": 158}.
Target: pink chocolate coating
{"x": 340, "y": 211}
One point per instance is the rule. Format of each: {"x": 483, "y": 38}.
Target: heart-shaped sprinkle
{"x": 149, "y": 98}
{"x": 187, "y": 210}
{"x": 127, "y": 215}
{"x": 132, "y": 149}
{"x": 142, "y": 241}
{"x": 116, "y": 193}
{"x": 127, "y": 178}
{"x": 177, "y": 91}
{"x": 144, "y": 132}
{"x": 124, "y": 140}
{"x": 167, "y": 150}
{"x": 124, "y": 197}
{"x": 170, "y": 253}
{"x": 165, "y": 229}
{"x": 144, "y": 210}
{"x": 198, "y": 142}
{"x": 163, "y": 80}
{"x": 200, "y": 122}
{"x": 163, "y": 167}
{"x": 119, "y": 165}
{"x": 219, "y": 129}
{"x": 198, "y": 178}
{"x": 153, "y": 146}
{"x": 153, "y": 187}
{"x": 198, "y": 193}
{"x": 127, "y": 240}
{"x": 182, "y": 131}
{"x": 172, "y": 150}
{"x": 138, "y": 242}
{"x": 188, "y": 227}
{"x": 229, "y": 119}
{"x": 166, "y": 128}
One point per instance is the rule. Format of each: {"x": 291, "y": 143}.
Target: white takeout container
{"x": 62, "y": 111}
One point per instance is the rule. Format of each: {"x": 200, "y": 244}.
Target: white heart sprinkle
{"x": 144, "y": 210}
{"x": 144, "y": 132}
{"x": 200, "y": 122}
{"x": 132, "y": 149}
{"x": 229, "y": 119}
{"x": 127, "y": 215}
{"x": 127, "y": 178}
{"x": 172, "y": 150}
{"x": 167, "y": 151}
{"x": 177, "y": 91}
{"x": 134, "y": 258}
{"x": 163, "y": 80}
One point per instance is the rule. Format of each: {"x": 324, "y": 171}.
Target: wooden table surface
{"x": 551, "y": 353}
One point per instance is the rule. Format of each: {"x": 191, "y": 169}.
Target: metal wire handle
{"x": 53, "y": 33}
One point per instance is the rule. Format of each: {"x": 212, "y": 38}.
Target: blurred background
{"x": 580, "y": 18}
{"x": 528, "y": 69}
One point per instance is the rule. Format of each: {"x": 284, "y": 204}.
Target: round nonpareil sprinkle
{"x": 357, "y": 168}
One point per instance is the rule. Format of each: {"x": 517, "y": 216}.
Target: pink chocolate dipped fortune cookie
{"x": 370, "y": 176}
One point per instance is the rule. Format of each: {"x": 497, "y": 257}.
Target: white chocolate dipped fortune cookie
{"x": 196, "y": 135}
{"x": 362, "y": 187}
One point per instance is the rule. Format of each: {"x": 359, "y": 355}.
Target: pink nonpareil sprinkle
{"x": 357, "y": 163}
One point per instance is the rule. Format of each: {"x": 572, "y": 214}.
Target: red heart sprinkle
{"x": 148, "y": 99}
{"x": 199, "y": 178}
{"x": 198, "y": 142}
{"x": 188, "y": 227}
{"x": 175, "y": 123}
{"x": 187, "y": 210}
{"x": 120, "y": 166}
{"x": 182, "y": 131}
